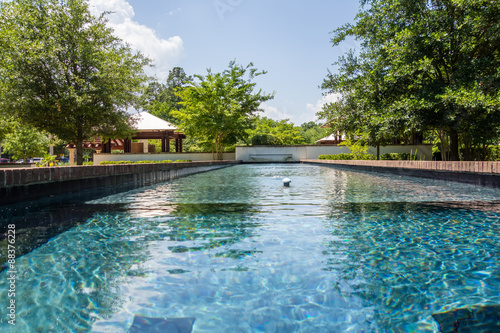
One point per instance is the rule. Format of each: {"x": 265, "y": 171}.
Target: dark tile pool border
{"x": 478, "y": 173}
{"x": 22, "y": 184}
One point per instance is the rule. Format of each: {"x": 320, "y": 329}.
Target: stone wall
{"x": 480, "y": 173}
{"x": 32, "y": 183}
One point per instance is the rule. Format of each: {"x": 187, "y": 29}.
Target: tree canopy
{"x": 423, "y": 65}
{"x": 25, "y": 142}
{"x": 272, "y": 132}
{"x": 160, "y": 99}
{"x": 312, "y": 132}
{"x": 219, "y": 108}
{"x": 63, "y": 71}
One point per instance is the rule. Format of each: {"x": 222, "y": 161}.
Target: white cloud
{"x": 166, "y": 53}
{"x": 314, "y": 108}
{"x": 273, "y": 112}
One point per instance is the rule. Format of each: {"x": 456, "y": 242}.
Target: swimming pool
{"x": 338, "y": 251}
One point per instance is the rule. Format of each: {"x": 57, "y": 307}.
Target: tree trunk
{"x": 220, "y": 151}
{"x": 79, "y": 153}
{"x": 454, "y": 154}
{"x": 51, "y": 147}
{"x": 444, "y": 145}
{"x": 378, "y": 152}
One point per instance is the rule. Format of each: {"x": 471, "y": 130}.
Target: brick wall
{"x": 472, "y": 167}
{"x": 34, "y": 183}
{"x": 29, "y": 176}
{"x": 479, "y": 173}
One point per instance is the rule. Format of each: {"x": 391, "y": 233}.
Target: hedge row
{"x": 140, "y": 162}
{"x": 388, "y": 156}
{"x": 395, "y": 156}
{"x": 344, "y": 156}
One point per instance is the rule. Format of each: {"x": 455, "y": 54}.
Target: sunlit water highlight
{"x": 338, "y": 251}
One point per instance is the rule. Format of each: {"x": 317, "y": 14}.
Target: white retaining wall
{"x": 268, "y": 153}
{"x": 195, "y": 157}
{"x": 297, "y": 153}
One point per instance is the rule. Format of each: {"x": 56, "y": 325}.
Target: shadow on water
{"x": 35, "y": 228}
{"x": 107, "y": 244}
{"x": 411, "y": 260}
{"x": 78, "y": 274}
{"x": 37, "y": 221}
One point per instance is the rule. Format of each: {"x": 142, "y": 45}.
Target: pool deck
{"x": 472, "y": 172}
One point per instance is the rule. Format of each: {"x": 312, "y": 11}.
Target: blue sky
{"x": 289, "y": 39}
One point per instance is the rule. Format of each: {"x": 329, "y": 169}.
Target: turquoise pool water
{"x": 338, "y": 251}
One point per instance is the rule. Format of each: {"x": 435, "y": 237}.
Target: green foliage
{"x": 341, "y": 156}
{"x": 262, "y": 139}
{"x": 493, "y": 153}
{"x": 48, "y": 160}
{"x": 357, "y": 148}
{"x": 161, "y": 99}
{"x": 63, "y": 71}
{"x": 219, "y": 107}
{"x": 194, "y": 145}
{"x": 87, "y": 154}
{"x": 25, "y": 142}
{"x": 272, "y": 132}
{"x": 7, "y": 124}
{"x": 395, "y": 156}
{"x": 423, "y": 65}
{"x": 115, "y": 162}
{"x": 344, "y": 156}
{"x": 312, "y": 132}
{"x": 140, "y": 162}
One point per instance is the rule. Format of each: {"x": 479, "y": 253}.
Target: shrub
{"x": 395, "y": 156}
{"x": 114, "y": 162}
{"x": 139, "y": 162}
{"x": 344, "y": 156}
{"x": 493, "y": 153}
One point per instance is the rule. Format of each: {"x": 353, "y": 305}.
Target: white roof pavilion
{"x": 147, "y": 122}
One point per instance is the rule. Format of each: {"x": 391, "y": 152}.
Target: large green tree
{"x": 219, "y": 108}
{"x": 25, "y": 142}
{"x": 273, "y": 132}
{"x": 161, "y": 99}
{"x": 423, "y": 65}
{"x": 312, "y": 132}
{"x": 64, "y": 72}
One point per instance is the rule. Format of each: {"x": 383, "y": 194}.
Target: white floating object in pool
{"x": 286, "y": 182}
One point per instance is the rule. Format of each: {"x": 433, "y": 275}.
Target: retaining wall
{"x": 472, "y": 172}
{"x": 32, "y": 183}
{"x": 301, "y": 152}
{"x": 160, "y": 157}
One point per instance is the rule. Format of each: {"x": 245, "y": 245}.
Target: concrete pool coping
{"x": 471, "y": 172}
